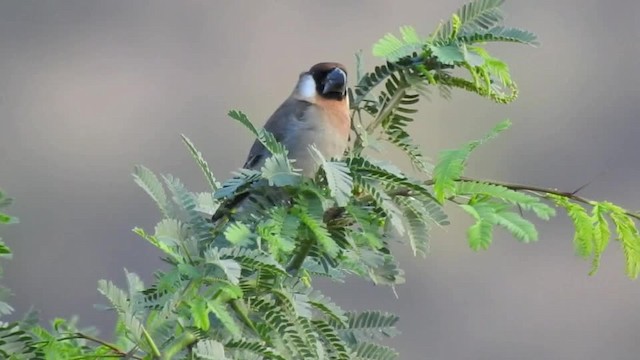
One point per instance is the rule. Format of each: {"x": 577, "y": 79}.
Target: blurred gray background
{"x": 90, "y": 88}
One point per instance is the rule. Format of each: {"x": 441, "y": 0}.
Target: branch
{"x": 543, "y": 191}
{"x": 115, "y": 349}
{"x": 333, "y": 213}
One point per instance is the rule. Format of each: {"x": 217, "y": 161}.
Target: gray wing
{"x": 280, "y": 124}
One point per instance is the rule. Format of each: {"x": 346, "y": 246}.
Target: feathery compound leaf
{"x": 204, "y": 166}
{"x": 239, "y": 234}
{"x": 242, "y": 179}
{"x": 324, "y": 305}
{"x": 278, "y": 171}
{"x": 519, "y": 227}
{"x": 200, "y": 313}
{"x": 371, "y": 351}
{"x": 313, "y": 221}
{"x": 392, "y": 48}
{"x": 628, "y": 236}
{"x": 583, "y": 223}
{"x": 601, "y": 235}
{"x": 230, "y": 267}
{"x": 331, "y": 339}
{"x": 500, "y": 33}
{"x": 480, "y": 234}
{"x": 253, "y": 259}
{"x": 244, "y": 120}
{"x": 338, "y": 177}
{"x": 149, "y": 182}
{"x": 258, "y": 348}
{"x": 220, "y": 311}
{"x": 18, "y": 344}
{"x": 472, "y": 17}
{"x": 448, "y": 54}
{"x": 448, "y": 169}
{"x": 186, "y": 202}
{"x": 488, "y": 214}
{"x": 368, "y": 326}
{"x": 480, "y": 14}
{"x": 526, "y": 202}
{"x": 116, "y": 297}
{"x": 451, "y": 163}
{"x": 266, "y": 138}
{"x": 418, "y": 228}
{"x": 8, "y": 219}
{"x": 339, "y": 181}
{"x": 383, "y": 200}
{"x": 209, "y": 350}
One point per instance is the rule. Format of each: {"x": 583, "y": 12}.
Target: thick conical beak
{"x": 335, "y": 82}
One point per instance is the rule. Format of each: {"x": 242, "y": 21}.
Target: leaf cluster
{"x": 241, "y": 286}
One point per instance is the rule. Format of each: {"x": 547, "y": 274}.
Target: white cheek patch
{"x": 307, "y": 86}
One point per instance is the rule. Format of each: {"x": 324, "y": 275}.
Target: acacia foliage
{"x": 242, "y": 287}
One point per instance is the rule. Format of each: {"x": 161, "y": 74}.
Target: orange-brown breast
{"x": 336, "y": 113}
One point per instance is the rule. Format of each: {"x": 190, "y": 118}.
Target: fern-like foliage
{"x": 452, "y": 163}
{"x": 593, "y": 231}
{"x": 240, "y": 285}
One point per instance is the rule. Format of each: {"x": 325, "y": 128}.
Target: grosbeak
{"x": 316, "y": 113}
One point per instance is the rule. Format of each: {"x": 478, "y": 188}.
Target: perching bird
{"x": 316, "y": 113}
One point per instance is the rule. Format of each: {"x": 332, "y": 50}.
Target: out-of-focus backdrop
{"x": 89, "y": 88}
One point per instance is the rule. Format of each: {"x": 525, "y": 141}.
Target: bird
{"x": 315, "y": 113}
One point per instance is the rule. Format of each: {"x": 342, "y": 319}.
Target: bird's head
{"x": 327, "y": 80}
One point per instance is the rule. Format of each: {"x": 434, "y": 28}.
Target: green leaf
{"x": 239, "y": 234}
{"x": 230, "y": 267}
{"x": 502, "y": 34}
{"x": 392, "y": 48}
{"x": 186, "y": 205}
{"x": 5, "y": 251}
{"x": 368, "y": 326}
{"x": 225, "y": 317}
{"x": 519, "y": 227}
{"x": 628, "y": 236}
{"x": 244, "y": 120}
{"x": 209, "y": 350}
{"x": 524, "y": 201}
{"x": 448, "y": 54}
{"x": 451, "y": 163}
{"x": 278, "y": 171}
{"x": 418, "y": 228}
{"x": 475, "y": 16}
{"x": 601, "y": 235}
{"x": 480, "y": 234}
{"x": 148, "y": 181}
{"x": 200, "y": 313}
{"x": 266, "y": 138}
{"x": 332, "y": 339}
{"x": 279, "y": 230}
{"x": 583, "y": 223}
{"x": 241, "y": 181}
{"x": 338, "y": 177}
{"x": 448, "y": 169}
{"x": 116, "y": 297}
{"x": 327, "y": 307}
{"x": 202, "y": 163}
{"x": 7, "y": 219}
{"x": 372, "y": 351}
{"x": 255, "y": 347}
{"x": 310, "y": 212}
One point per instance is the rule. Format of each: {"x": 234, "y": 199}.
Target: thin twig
{"x": 539, "y": 190}
{"x": 115, "y": 349}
